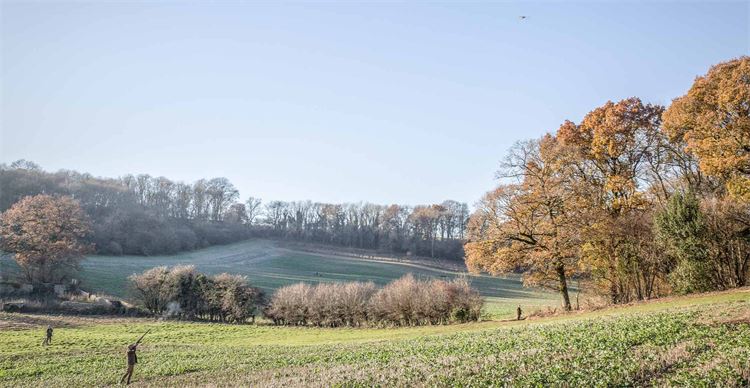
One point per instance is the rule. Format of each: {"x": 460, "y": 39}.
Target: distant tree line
{"x": 637, "y": 200}
{"x": 145, "y": 215}
{"x": 426, "y": 230}
{"x": 139, "y": 215}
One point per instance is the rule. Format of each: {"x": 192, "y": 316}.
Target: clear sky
{"x": 381, "y": 102}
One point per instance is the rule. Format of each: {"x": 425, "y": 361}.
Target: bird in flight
{"x": 522, "y": 17}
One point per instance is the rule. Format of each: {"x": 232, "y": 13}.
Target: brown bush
{"x": 236, "y": 301}
{"x": 408, "y": 301}
{"x": 151, "y": 288}
{"x": 356, "y": 299}
{"x": 399, "y": 302}
{"x": 289, "y": 305}
{"x": 463, "y": 302}
{"x": 339, "y": 304}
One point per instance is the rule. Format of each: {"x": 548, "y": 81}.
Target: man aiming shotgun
{"x": 132, "y": 358}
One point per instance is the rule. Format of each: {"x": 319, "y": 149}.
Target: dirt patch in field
{"x": 730, "y": 316}
{"x": 738, "y": 365}
{"x": 24, "y": 322}
{"x": 13, "y": 321}
{"x": 652, "y": 369}
{"x": 303, "y": 376}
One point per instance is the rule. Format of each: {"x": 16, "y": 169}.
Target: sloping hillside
{"x": 269, "y": 264}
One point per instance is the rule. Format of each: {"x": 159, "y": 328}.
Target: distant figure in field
{"x": 48, "y": 339}
{"x": 132, "y": 360}
{"x": 518, "y": 313}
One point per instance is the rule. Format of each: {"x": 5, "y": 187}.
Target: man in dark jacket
{"x": 132, "y": 360}
{"x": 48, "y": 339}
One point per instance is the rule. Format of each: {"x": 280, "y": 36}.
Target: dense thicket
{"x": 180, "y": 291}
{"x": 706, "y": 242}
{"x": 145, "y": 215}
{"x": 403, "y": 302}
{"x": 634, "y": 206}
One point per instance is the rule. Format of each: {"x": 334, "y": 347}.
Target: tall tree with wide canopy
{"x": 46, "y": 234}
{"x": 531, "y": 225}
{"x": 613, "y": 152}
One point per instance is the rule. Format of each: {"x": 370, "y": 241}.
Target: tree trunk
{"x": 432, "y": 245}
{"x": 563, "y": 287}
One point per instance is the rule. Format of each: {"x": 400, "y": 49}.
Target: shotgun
{"x": 139, "y": 339}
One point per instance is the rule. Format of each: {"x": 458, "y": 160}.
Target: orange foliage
{"x": 530, "y": 226}
{"x": 713, "y": 119}
{"x": 45, "y": 233}
{"x": 615, "y": 141}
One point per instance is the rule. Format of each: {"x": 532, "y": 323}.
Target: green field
{"x": 697, "y": 341}
{"x": 269, "y": 266}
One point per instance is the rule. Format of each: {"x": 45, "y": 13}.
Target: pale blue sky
{"x": 380, "y": 102}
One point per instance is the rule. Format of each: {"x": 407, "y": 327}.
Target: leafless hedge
{"x": 404, "y": 302}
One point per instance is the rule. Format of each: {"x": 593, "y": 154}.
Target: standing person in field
{"x": 518, "y": 313}
{"x": 48, "y": 338}
{"x": 132, "y": 360}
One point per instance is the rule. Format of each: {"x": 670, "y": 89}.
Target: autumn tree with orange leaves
{"x": 713, "y": 122}
{"x": 46, "y": 235}
{"x": 531, "y": 225}
{"x": 600, "y": 199}
{"x": 616, "y": 153}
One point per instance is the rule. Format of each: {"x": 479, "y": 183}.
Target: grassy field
{"x": 269, "y": 266}
{"x": 698, "y": 341}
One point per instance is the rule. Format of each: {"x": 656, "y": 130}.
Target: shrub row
{"x": 181, "y": 291}
{"x": 403, "y": 302}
